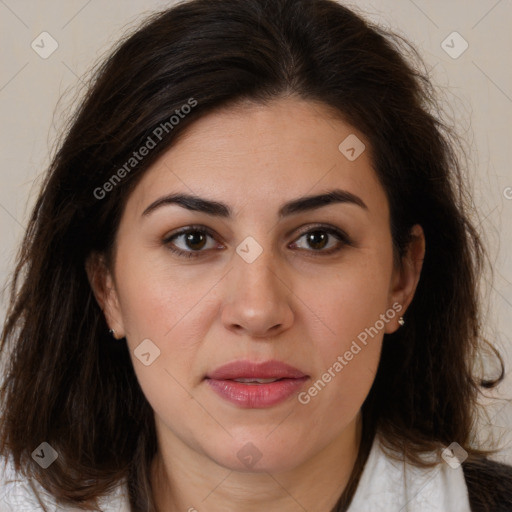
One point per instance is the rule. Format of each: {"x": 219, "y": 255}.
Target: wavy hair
{"x": 69, "y": 384}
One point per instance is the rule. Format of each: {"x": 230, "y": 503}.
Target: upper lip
{"x": 271, "y": 369}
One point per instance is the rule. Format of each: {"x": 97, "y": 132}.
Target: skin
{"x": 292, "y": 304}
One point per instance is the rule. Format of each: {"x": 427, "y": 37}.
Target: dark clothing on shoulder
{"x": 489, "y": 485}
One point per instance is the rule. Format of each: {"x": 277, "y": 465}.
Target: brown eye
{"x": 189, "y": 242}
{"x": 192, "y": 241}
{"x": 195, "y": 240}
{"x": 319, "y": 240}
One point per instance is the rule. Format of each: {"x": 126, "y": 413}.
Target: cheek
{"x": 353, "y": 311}
{"x": 346, "y": 364}
{"x": 351, "y": 299}
{"x": 159, "y": 299}
{"x": 157, "y": 305}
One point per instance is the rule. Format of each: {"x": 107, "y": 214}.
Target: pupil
{"x": 195, "y": 238}
{"x": 317, "y": 239}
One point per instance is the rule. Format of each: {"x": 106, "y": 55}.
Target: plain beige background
{"x": 475, "y": 84}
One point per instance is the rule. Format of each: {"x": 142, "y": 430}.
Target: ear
{"x": 406, "y": 276}
{"x": 103, "y": 286}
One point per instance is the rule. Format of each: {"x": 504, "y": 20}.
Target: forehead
{"x": 258, "y": 155}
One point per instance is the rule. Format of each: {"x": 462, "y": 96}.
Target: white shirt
{"x": 17, "y": 495}
{"x": 385, "y": 486}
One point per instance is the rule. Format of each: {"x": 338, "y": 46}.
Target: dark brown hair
{"x": 69, "y": 384}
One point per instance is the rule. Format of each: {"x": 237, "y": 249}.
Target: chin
{"x": 257, "y": 456}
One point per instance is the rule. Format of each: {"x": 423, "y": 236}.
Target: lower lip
{"x": 256, "y": 396}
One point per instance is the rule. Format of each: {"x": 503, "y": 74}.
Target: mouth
{"x": 250, "y": 371}
{"x": 254, "y": 381}
{"x": 256, "y": 385}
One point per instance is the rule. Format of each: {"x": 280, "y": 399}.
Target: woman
{"x": 250, "y": 281}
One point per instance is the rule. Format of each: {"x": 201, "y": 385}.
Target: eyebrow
{"x": 217, "y": 209}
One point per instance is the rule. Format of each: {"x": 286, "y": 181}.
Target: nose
{"x": 257, "y": 301}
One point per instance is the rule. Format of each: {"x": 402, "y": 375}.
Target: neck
{"x": 184, "y": 480}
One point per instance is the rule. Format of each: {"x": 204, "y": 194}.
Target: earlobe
{"x": 104, "y": 290}
{"x": 407, "y": 276}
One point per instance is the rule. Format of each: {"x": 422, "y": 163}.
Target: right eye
{"x": 193, "y": 238}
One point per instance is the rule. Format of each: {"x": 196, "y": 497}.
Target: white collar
{"x": 387, "y": 485}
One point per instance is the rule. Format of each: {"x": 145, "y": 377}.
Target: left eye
{"x": 196, "y": 239}
{"x": 317, "y": 239}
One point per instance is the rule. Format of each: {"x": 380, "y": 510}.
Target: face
{"x": 307, "y": 290}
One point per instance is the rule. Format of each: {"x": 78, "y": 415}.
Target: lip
{"x": 256, "y": 396}
{"x": 271, "y": 369}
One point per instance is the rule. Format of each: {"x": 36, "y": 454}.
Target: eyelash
{"x": 337, "y": 233}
